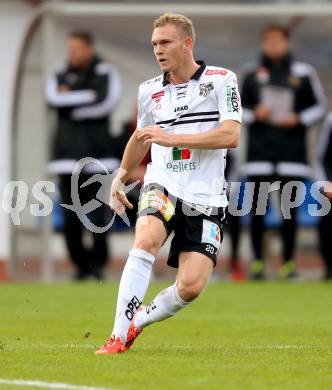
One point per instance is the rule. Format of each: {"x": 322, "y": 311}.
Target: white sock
{"x": 163, "y": 306}
{"x": 132, "y": 289}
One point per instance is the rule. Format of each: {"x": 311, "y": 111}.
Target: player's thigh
{"x": 194, "y": 272}
{"x": 150, "y": 234}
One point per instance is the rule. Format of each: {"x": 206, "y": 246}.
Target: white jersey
{"x": 208, "y": 99}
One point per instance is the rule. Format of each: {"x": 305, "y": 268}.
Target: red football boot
{"x": 133, "y": 331}
{"x": 113, "y": 345}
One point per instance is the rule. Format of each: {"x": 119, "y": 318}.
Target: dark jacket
{"x": 271, "y": 149}
{"x": 83, "y": 115}
{"x": 324, "y": 151}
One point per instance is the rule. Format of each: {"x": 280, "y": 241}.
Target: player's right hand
{"x": 118, "y": 199}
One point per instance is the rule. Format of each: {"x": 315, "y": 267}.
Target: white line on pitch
{"x": 239, "y": 347}
{"x": 286, "y": 346}
{"x": 48, "y": 385}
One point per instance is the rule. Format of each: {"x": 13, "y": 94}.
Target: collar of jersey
{"x": 195, "y": 76}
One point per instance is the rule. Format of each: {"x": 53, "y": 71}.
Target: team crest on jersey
{"x": 205, "y": 89}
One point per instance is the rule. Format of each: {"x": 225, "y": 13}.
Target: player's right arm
{"x": 134, "y": 153}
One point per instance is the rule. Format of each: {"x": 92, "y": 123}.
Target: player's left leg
{"x": 194, "y": 272}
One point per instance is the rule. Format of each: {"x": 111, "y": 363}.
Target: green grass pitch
{"x": 235, "y": 336}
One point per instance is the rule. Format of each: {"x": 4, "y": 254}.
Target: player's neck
{"x": 184, "y": 73}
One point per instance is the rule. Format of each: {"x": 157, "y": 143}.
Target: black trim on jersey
{"x": 200, "y": 113}
{"x": 189, "y": 115}
{"x": 181, "y": 86}
{"x": 195, "y": 76}
{"x": 165, "y": 122}
{"x": 173, "y": 123}
{"x": 196, "y": 121}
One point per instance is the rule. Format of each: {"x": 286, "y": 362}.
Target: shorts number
{"x": 211, "y": 249}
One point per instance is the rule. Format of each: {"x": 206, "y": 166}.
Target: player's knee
{"x": 190, "y": 290}
{"x": 147, "y": 244}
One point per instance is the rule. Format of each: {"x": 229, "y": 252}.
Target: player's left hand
{"x": 154, "y": 134}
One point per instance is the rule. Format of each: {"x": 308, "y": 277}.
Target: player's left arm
{"x": 225, "y": 135}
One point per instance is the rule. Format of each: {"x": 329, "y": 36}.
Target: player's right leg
{"x": 150, "y": 235}
{"x": 194, "y": 272}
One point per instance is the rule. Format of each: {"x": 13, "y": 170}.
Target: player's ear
{"x": 188, "y": 43}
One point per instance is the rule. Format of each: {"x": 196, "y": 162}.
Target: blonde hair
{"x": 180, "y": 21}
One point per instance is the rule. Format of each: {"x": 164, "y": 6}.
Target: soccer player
{"x": 189, "y": 115}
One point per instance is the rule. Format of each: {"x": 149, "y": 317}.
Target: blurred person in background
{"x": 83, "y": 95}
{"x": 233, "y": 225}
{"x": 324, "y": 164}
{"x": 281, "y": 98}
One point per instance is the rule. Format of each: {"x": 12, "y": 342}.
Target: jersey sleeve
{"x": 229, "y": 101}
{"x": 144, "y": 117}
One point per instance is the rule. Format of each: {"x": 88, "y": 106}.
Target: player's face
{"x": 275, "y": 45}
{"x": 170, "y": 46}
{"x": 79, "y": 52}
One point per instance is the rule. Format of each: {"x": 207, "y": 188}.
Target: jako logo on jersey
{"x": 233, "y": 99}
{"x": 157, "y": 96}
{"x": 182, "y": 108}
{"x": 211, "y": 72}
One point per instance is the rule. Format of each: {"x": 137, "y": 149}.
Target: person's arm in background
{"x": 59, "y": 95}
{"x": 312, "y": 100}
{"x": 106, "y": 87}
{"x": 324, "y": 156}
{"x": 252, "y": 110}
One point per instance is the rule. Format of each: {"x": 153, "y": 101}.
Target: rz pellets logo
{"x": 233, "y": 99}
